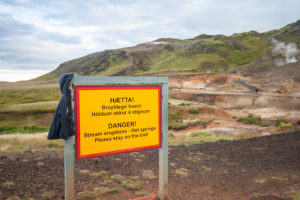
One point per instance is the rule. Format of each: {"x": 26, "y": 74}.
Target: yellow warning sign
{"x": 116, "y": 119}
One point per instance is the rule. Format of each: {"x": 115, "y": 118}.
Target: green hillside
{"x": 201, "y": 54}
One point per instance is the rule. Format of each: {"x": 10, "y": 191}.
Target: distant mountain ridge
{"x": 201, "y": 54}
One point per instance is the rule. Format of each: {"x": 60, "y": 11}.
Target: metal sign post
{"x": 69, "y": 169}
{"x": 163, "y": 151}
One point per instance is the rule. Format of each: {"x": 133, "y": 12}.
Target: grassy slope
{"x": 19, "y": 96}
{"x": 204, "y": 53}
{"x": 23, "y": 110}
{"x": 214, "y": 54}
{"x": 26, "y": 121}
{"x": 101, "y": 63}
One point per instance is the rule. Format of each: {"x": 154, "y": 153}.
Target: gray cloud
{"x": 10, "y": 27}
{"x": 42, "y": 34}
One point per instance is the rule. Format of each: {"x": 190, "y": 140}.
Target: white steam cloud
{"x": 285, "y": 53}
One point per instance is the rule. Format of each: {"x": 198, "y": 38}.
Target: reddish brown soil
{"x": 265, "y": 168}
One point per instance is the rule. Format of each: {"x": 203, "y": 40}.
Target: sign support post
{"x": 163, "y": 151}
{"x": 69, "y": 168}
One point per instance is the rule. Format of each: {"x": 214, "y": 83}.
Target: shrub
{"x": 171, "y": 135}
{"x": 281, "y": 122}
{"x": 114, "y": 191}
{"x": 253, "y": 120}
{"x": 193, "y": 111}
{"x": 177, "y": 125}
{"x": 185, "y": 104}
{"x": 175, "y": 115}
{"x": 240, "y": 119}
{"x": 264, "y": 125}
{"x": 250, "y": 119}
{"x": 207, "y": 103}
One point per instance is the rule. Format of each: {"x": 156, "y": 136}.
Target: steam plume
{"x": 285, "y": 53}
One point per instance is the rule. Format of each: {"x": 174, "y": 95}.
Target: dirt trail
{"x": 262, "y": 168}
{"x": 252, "y": 89}
{"x": 133, "y": 62}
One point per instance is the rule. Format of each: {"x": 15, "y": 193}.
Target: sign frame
{"x": 77, "y": 117}
{"x": 163, "y": 151}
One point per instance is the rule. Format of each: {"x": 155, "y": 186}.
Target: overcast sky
{"x": 36, "y": 36}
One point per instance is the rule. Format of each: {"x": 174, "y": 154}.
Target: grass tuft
{"x": 201, "y": 134}
{"x": 84, "y": 171}
{"x": 6, "y": 129}
{"x": 141, "y": 194}
{"x": 247, "y": 135}
{"x": 185, "y": 104}
{"x": 117, "y": 177}
{"x": 171, "y": 135}
{"x": 182, "y": 172}
{"x": 14, "y": 198}
{"x": 196, "y": 138}
{"x": 279, "y": 178}
{"x": 132, "y": 185}
{"x": 282, "y": 123}
{"x": 260, "y": 180}
{"x": 193, "y": 111}
{"x": 86, "y": 195}
{"x": 148, "y": 174}
{"x": 250, "y": 119}
{"x": 177, "y": 125}
{"x": 20, "y": 144}
{"x": 8, "y": 185}
{"x": 100, "y": 174}
{"x": 40, "y": 164}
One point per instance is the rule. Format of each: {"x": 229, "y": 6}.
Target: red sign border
{"x": 77, "y": 88}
